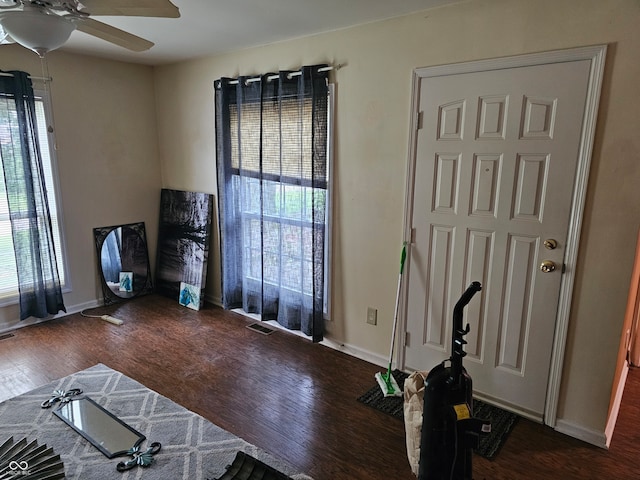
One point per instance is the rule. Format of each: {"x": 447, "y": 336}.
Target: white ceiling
{"x": 213, "y": 27}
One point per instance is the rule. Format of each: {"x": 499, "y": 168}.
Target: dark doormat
{"x": 502, "y": 422}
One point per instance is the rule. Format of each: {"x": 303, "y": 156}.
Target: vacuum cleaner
{"x": 449, "y": 431}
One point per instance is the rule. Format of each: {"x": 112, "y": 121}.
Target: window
{"x": 8, "y": 129}
{"x": 272, "y": 136}
{"x": 278, "y": 210}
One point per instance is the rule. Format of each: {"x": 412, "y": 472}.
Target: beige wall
{"x": 107, "y": 154}
{"x": 372, "y": 118}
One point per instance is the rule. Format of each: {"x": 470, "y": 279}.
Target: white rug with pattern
{"x": 192, "y": 447}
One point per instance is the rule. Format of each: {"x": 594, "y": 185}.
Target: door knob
{"x": 547, "y": 266}
{"x": 550, "y": 244}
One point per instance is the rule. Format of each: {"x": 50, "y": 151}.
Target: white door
{"x": 495, "y": 167}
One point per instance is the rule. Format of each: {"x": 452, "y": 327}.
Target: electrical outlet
{"x": 372, "y": 316}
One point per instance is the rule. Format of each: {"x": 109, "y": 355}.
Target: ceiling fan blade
{"x": 137, "y": 8}
{"x": 113, "y": 35}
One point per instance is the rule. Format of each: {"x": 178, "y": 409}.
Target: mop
{"x": 388, "y": 384}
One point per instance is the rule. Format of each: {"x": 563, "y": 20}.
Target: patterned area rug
{"x": 192, "y": 447}
{"x": 502, "y": 422}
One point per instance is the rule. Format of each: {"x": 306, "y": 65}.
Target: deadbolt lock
{"x": 547, "y": 266}
{"x": 550, "y": 244}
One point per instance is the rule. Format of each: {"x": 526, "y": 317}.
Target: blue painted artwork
{"x": 126, "y": 282}
{"x": 189, "y": 296}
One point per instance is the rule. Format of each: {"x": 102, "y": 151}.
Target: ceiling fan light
{"x": 37, "y": 31}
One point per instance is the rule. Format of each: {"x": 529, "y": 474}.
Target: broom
{"x": 387, "y": 383}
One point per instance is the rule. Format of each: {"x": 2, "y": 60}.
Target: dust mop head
{"x": 388, "y": 384}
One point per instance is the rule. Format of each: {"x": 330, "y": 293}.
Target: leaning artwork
{"x": 183, "y": 246}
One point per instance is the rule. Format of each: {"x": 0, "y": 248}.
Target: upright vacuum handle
{"x": 457, "y": 344}
{"x": 466, "y": 297}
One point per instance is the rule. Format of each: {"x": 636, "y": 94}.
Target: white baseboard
{"x": 594, "y": 437}
{"x": 15, "y": 324}
{"x": 327, "y": 341}
{"x": 356, "y": 352}
{"x": 12, "y": 325}
{"x": 217, "y": 301}
{"x": 84, "y": 306}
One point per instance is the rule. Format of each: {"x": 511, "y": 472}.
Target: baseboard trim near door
{"x": 524, "y": 413}
{"x": 615, "y": 406}
{"x": 594, "y": 437}
{"x": 356, "y": 352}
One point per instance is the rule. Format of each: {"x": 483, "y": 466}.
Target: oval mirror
{"x": 123, "y": 261}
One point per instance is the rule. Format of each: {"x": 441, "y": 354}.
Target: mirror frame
{"x": 95, "y": 441}
{"x": 100, "y": 235}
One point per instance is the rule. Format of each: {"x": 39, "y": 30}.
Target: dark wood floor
{"x": 280, "y": 392}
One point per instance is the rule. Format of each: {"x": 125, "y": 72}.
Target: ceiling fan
{"x": 44, "y": 25}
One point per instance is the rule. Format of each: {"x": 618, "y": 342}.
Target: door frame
{"x": 596, "y": 55}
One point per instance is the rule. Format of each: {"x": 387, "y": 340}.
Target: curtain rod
{"x": 42, "y": 79}
{"x": 292, "y": 74}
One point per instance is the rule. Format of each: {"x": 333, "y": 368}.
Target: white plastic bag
{"x": 413, "y": 407}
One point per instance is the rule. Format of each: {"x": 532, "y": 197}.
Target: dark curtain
{"x": 38, "y": 278}
{"x": 271, "y": 139}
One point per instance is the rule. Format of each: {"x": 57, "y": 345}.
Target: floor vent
{"x": 260, "y": 328}
{"x": 6, "y": 335}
